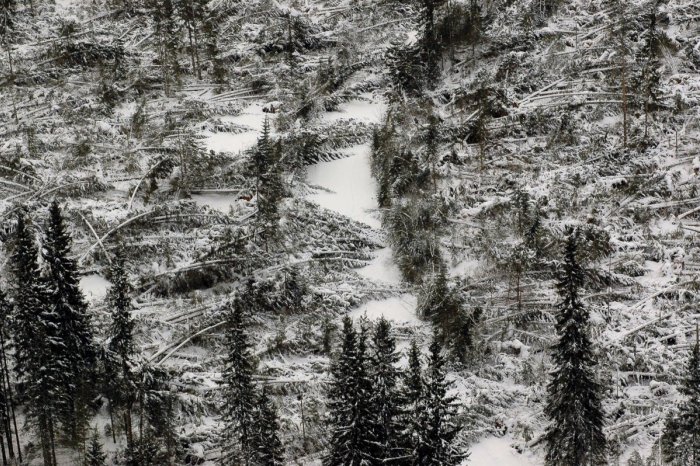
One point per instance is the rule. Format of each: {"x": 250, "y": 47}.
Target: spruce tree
{"x": 7, "y": 14}
{"x": 166, "y": 30}
{"x": 157, "y": 406}
{"x": 261, "y": 155}
{"x": 437, "y": 427}
{"x": 475, "y": 25}
{"x": 7, "y": 405}
{"x": 682, "y": 433}
{"x": 95, "y": 455}
{"x": 575, "y": 434}
{"x": 350, "y": 416}
{"x": 414, "y": 384}
{"x": 431, "y": 47}
{"x": 266, "y": 442}
{"x": 192, "y": 14}
{"x": 405, "y": 69}
{"x": 412, "y": 398}
{"x": 386, "y": 401}
{"x": 431, "y": 147}
{"x": 442, "y": 306}
{"x": 690, "y": 410}
{"x": 269, "y": 195}
{"x": 77, "y": 350}
{"x": 620, "y": 28}
{"x": 293, "y": 290}
{"x": 649, "y": 77}
{"x": 36, "y": 341}
{"x": 265, "y": 167}
{"x": 239, "y": 393}
{"x": 120, "y": 359}
{"x": 121, "y": 342}
{"x": 210, "y": 31}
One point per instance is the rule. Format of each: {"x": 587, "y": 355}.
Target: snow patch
{"x": 382, "y": 268}
{"x": 94, "y": 286}
{"x": 399, "y": 309}
{"x": 494, "y": 451}
{"x": 351, "y": 188}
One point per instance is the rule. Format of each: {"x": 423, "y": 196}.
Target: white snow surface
{"x": 94, "y": 286}
{"x": 496, "y": 451}
{"x": 398, "y": 309}
{"x": 351, "y": 188}
{"x": 370, "y": 111}
{"x": 252, "y": 117}
{"x": 382, "y": 268}
{"x": 220, "y": 202}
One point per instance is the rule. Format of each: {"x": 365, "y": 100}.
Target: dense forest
{"x": 350, "y": 232}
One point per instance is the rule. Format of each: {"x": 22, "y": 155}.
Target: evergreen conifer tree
{"x": 262, "y": 155}
{"x": 157, "y": 410}
{"x": 412, "y": 398}
{"x": 682, "y": 433}
{"x": 649, "y": 77}
{"x": 385, "y": 400}
{"x": 352, "y": 441}
{"x": 210, "y": 32}
{"x": 575, "y": 434}
{"x": 431, "y": 143}
{"x": 267, "y": 444}
{"x": 95, "y": 455}
{"x": 265, "y": 167}
{"x": 431, "y": 47}
{"x": 8, "y": 9}
{"x": 620, "y": 27}
{"x": 192, "y": 13}
{"x": 166, "y": 28}
{"x": 239, "y": 393}
{"x": 8, "y": 420}
{"x": 437, "y": 427}
{"x": 439, "y": 303}
{"x": 121, "y": 379}
{"x": 406, "y": 70}
{"x": 77, "y": 350}
{"x": 36, "y": 341}
{"x": 119, "y": 298}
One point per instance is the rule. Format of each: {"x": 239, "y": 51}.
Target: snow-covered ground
{"x": 398, "y": 309}
{"x": 382, "y": 268}
{"x": 251, "y": 121}
{"x": 347, "y": 187}
{"x": 220, "y": 202}
{"x": 94, "y": 287}
{"x": 497, "y": 451}
{"x": 351, "y": 188}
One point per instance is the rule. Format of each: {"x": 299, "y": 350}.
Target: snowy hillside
{"x": 362, "y": 232}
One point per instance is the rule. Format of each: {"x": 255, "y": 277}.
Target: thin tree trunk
{"x": 111, "y": 420}
{"x": 189, "y": 36}
{"x": 624, "y": 106}
{"x": 141, "y": 413}
{"x": 10, "y": 400}
{"x": 646, "y": 119}
{"x": 127, "y": 427}
{"x": 53, "y": 441}
{"x": 6, "y": 407}
{"x": 45, "y": 443}
{"x": 9, "y": 59}
{"x": 196, "y": 54}
{"x": 4, "y": 456}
